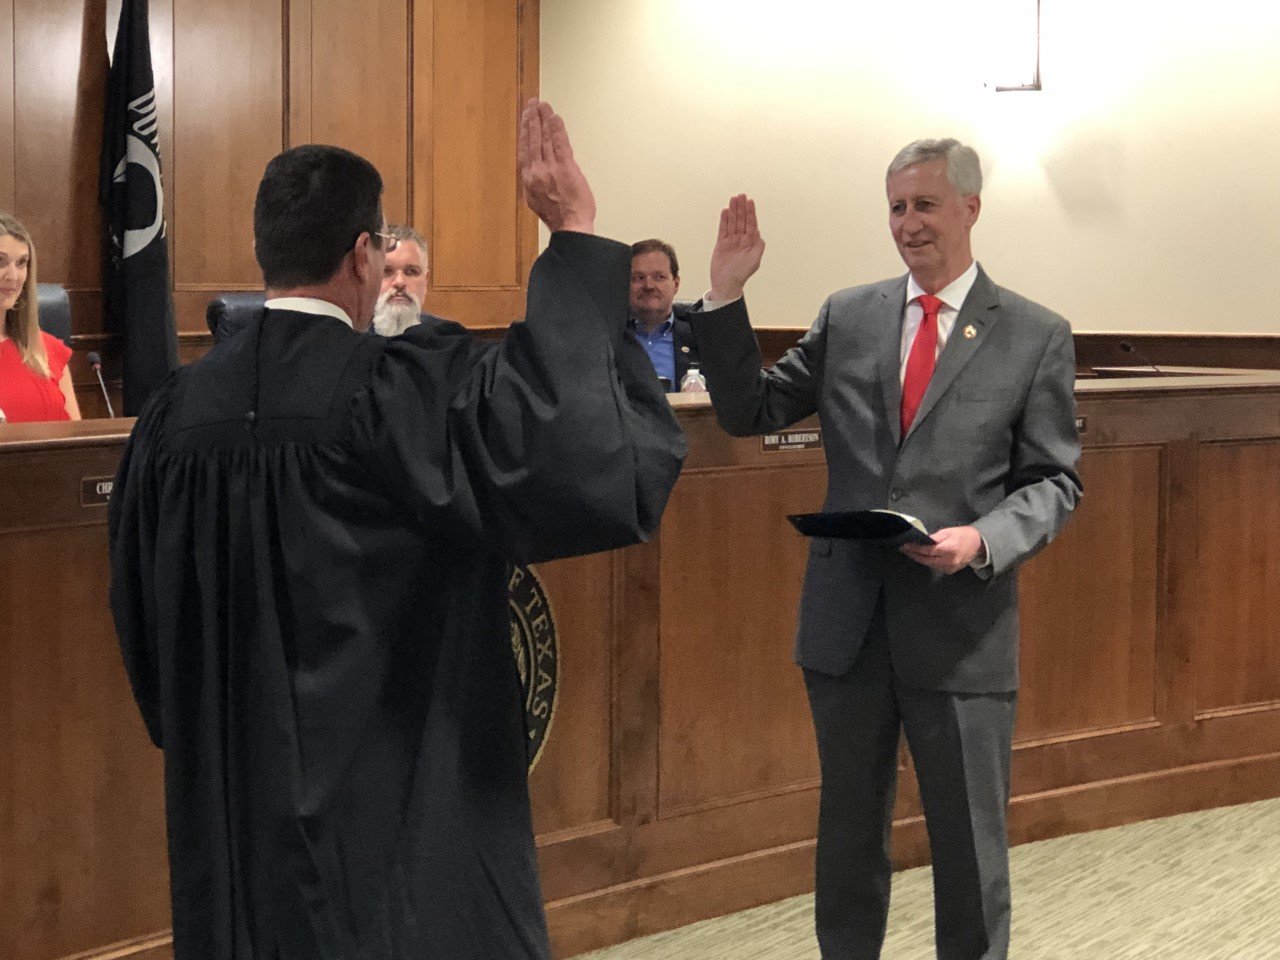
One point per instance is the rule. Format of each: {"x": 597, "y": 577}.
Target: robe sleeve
{"x": 555, "y": 442}
{"x": 131, "y": 528}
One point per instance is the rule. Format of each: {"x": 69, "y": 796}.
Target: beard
{"x": 393, "y": 317}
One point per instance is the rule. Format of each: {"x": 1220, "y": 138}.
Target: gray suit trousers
{"x": 961, "y": 745}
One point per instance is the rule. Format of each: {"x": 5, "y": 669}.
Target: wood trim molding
{"x": 1251, "y": 351}
{"x": 1254, "y": 351}
{"x": 156, "y": 946}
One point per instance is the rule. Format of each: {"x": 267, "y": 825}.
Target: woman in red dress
{"x": 35, "y": 383}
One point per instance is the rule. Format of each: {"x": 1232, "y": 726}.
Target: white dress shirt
{"x": 952, "y": 297}
{"x": 319, "y": 308}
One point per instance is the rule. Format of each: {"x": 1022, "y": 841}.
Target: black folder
{"x": 884, "y": 527}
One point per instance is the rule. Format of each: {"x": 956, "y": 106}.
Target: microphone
{"x": 95, "y": 361}
{"x": 1127, "y": 347}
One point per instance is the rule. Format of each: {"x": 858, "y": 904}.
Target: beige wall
{"x": 1140, "y": 190}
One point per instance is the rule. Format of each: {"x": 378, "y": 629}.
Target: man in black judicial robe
{"x": 309, "y": 538}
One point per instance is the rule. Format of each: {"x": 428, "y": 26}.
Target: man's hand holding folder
{"x": 947, "y": 550}
{"x": 884, "y": 527}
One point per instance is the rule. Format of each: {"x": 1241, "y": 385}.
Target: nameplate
{"x": 805, "y": 439}
{"x": 95, "y": 491}
{"x": 1082, "y": 424}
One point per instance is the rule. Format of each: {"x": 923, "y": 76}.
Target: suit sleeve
{"x": 556, "y": 442}
{"x": 747, "y": 399}
{"x": 1044, "y": 483}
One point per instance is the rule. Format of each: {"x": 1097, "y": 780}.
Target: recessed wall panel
{"x": 1237, "y": 650}
{"x": 1089, "y": 604}
{"x": 734, "y": 717}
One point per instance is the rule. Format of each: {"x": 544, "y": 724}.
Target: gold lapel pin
{"x": 684, "y": 349}
{"x": 970, "y": 332}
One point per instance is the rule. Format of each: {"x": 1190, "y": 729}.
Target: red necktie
{"x": 920, "y": 361}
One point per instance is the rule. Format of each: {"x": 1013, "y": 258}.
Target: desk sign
{"x": 1082, "y": 424}
{"x": 806, "y": 439}
{"x": 95, "y": 491}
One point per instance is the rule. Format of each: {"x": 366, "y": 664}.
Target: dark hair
{"x": 657, "y": 246}
{"x": 313, "y": 203}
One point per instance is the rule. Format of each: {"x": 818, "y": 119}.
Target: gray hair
{"x": 405, "y": 233}
{"x": 963, "y": 169}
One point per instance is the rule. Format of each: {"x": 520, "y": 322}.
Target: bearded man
{"x": 404, "y": 283}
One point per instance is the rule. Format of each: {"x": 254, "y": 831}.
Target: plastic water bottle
{"x": 693, "y": 381}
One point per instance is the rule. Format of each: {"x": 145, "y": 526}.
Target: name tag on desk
{"x": 809, "y": 438}
{"x": 95, "y": 491}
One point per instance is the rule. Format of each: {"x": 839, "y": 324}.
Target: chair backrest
{"x": 54, "y": 308}
{"x": 227, "y": 314}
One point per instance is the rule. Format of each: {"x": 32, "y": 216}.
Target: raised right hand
{"x": 554, "y": 186}
{"x": 738, "y": 250}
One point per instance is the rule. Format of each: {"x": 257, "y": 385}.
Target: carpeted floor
{"x": 1201, "y": 886}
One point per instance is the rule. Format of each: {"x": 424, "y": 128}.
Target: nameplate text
{"x": 95, "y": 491}
{"x": 809, "y": 438}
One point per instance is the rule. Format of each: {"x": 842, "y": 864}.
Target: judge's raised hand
{"x": 738, "y": 249}
{"x": 554, "y": 186}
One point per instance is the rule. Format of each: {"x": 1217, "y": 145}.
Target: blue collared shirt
{"x": 660, "y": 345}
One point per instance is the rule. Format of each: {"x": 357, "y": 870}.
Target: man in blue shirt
{"x": 656, "y": 321}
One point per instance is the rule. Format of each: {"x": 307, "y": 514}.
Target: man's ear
{"x": 974, "y": 203}
{"x": 362, "y": 257}
{"x": 677, "y": 280}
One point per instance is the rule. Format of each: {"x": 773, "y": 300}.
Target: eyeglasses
{"x": 392, "y": 242}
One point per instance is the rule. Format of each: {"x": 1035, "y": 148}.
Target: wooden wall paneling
{"x": 360, "y": 87}
{"x": 637, "y": 613}
{"x": 1252, "y": 351}
{"x": 1161, "y": 793}
{"x": 229, "y": 122}
{"x": 738, "y": 727}
{"x": 475, "y": 63}
{"x": 161, "y": 24}
{"x": 7, "y": 54}
{"x": 528, "y": 20}
{"x": 10, "y": 748}
{"x": 775, "y": 341}
{"x": 66, "y": 713}
{"x": 89, "y": 394}
{"x": 606, "y": 853}
{"x": 1237, "y": 656}
{"x": 59, "y": 72}
{"x": 84, "y": 778}
{"x": 638, "y": 852}
{"x": 475, "y": 110}
{"x": 1184, "y": 582}
{"x": 298, "y": 92}
{"x": 1089, "y": 604}
{"x": 572, "y": 785}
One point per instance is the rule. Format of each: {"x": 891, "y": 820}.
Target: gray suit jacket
{"x": 994, "y": 445}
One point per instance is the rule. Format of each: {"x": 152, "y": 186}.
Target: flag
{"x": 138, "y": 301}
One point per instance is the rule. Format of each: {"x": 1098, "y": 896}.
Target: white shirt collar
{"x": 953, "y": 294}
{"x": 319, "y": 308}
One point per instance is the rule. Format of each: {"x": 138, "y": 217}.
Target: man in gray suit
{"x": 948, "y": 398}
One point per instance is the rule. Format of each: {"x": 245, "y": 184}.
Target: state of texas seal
{"x": 537, "y": 652}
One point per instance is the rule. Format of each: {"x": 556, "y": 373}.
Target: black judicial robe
{"x": 309, "y": 536}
